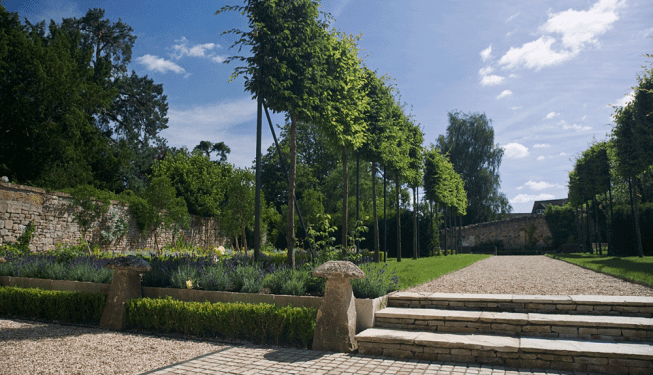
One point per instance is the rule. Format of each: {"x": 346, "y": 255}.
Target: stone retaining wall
{"x": 511, "y": 231}
{"x": 53, "y": 220}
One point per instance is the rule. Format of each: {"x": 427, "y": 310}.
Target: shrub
{"x": 263, "y": 323}
{"x": 247, "y": 279}
{"x": 73, "y": 307}
{"x": 376, "y": 282}
{"x": 215, "y": 278}
{"x": 183, "y": 275}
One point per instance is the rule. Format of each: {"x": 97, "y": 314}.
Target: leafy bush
{"x": 21, "y": 246}
{"x": 45, "y": 266}
{"x": 215, "y": 278}
{"x": 184, "y": 276}
{"x": 262, "y": 323}
{"x": 247, "y": 279}
{"x": 73, "y": 307}
{"x": 376, "y": 283}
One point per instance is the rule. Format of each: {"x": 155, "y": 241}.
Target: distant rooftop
{"x": 539, "y": 206}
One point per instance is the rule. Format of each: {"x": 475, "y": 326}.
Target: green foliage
{"x": 561, "y": 221}
{"x": 199, "y": 181}
{"x": 185, "y": 277}
{"x": 215, "y": 277}
{"x": 469, "y": 143}
{"x": 261, "y": 324}
{"x": 442, "y": 185}
{"x": 238, "y": 212}
{"x": 71, "y": 307}
{"x": 247, "y": 279}
{"x": 633, "y": 268}
{"x": 376, "y": 282}
{"x": 591, "y": 175}
{"x": 21, "y": 246}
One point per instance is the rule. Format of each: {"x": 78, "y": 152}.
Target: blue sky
{"x": 545, "y": 72}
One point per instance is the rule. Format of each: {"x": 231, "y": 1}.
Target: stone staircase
{"x": 600, "y": 334}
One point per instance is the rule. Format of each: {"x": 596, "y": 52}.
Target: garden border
{"x": 366, "y": 308}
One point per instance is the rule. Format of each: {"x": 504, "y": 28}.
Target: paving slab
{"x": 504, "y": 317}
{"x": 408, "y": 313}
{"x": 613, "y": 300}
{"x": 541, "y": 299}
{"x": 477, "y": 342}
{"x": 408, "y": 295}
{"x": 591, "y": 321}
{"x": 588, "y": 348}
{"x": 458, "y": 297}
{"x": 387, "y": 336}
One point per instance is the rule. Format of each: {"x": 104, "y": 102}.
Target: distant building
{"x": 539, "y": 206}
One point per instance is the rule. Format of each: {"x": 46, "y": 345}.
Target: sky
{"x": 546, "y": 73}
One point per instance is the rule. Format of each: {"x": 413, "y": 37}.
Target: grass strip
{"x": 639, "y": 270}
{"x": 412, "y": 272}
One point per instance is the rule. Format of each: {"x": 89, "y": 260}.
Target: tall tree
{"x": 469, "y": 142}
{"x": 47, "y": 95}
{"x": 288, "y": 46}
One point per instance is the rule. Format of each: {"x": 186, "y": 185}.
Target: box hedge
{"x": 64, "y": 306}
{"x": 261, "y": 323}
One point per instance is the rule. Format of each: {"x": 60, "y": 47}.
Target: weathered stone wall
{"x": 54, "y": 224}
{"x": 511, "y": 231}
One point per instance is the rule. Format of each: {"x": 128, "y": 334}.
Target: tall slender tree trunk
{"x": 242, "y": 227}
{"x": 385, "y": 215}
{"x": 611, "y": 249}
{"x": 237, "y": 246}
{"x": 460, "y": 232}
{"x": 633, "y": 205}
{"x": 292, "y": 174}
{"x": 414, "y": 223}
{"x": 345, "y": 200}
{"x": 587, "y": 229}
{"x": 597, "y": 227}
{"x": 376, "y": 218}
{"x": 358, "y": 195}
{"x": 446, "y": 230}
{"x": 398, "y": 219}
{"x": 417, "y": 227}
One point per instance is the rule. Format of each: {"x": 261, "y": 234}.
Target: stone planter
{"x": 366, "y": 308}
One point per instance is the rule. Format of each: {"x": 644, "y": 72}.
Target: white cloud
{"x": 485, "y": 71}
{"x": 540, "y": 158}
{"x": 542, "y": 145}
{"x": 158, "y": 64}
{"x": 512, "y": 17}
{"x": 551, "y": 115}
{"x": 576, "y": 127}
{"x": 182, "y": 49}
{"x": 56, "y": 10}
{"x": 513, "y": 76}
{"x": 486, "y": 53}
{"x": 578, "y": 29}
{"x": 525, "y": 198}
{"x": 536, "y": 55}
{"x": 515, "y": 151}
{"x": 624, "y": 100}
{"x": 563, "y": 154}
{"x": 542, "y": 185}
{"x": 222, "y": 115}
{"x": 492, "y": 80}
{"x": 504, "y": 93}
{"x": 584, "y": 117}
{"x": 516, "y": 108}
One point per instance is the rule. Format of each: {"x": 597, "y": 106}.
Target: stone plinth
{"x": 125, "y": 285}
{"x": 335, "y": 329}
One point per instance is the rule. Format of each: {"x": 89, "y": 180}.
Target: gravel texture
{"x": 530, "y": 275}
{"x": 28, "y": 347}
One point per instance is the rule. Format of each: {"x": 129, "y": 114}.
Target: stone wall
{"x": 511, "y": 231}
{"x": 54, "y": 224}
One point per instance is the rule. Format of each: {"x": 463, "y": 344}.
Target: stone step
{"x": 588, "y": 327}
{"x": 540, "y": 353}
{"x": 584, "y": 305}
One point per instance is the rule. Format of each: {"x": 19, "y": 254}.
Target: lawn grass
{"x": 630, "y": 268}
{"x": 415, "y": 272}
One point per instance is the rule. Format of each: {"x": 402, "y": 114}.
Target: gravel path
{"x": 28, "y": 347}
{"x": 530, "y": 275}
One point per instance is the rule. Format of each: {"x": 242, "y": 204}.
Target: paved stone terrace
{"x": 247, "y": 360}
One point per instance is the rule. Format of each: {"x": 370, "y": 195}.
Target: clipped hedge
{"x": 65, "y": 306}
{"x": 262, "y": 323}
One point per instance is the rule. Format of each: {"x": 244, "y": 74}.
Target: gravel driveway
{"x": 530, "y": 275}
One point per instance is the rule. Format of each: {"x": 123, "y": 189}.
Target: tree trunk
{"x": 237, "y": 246}
{"x": 398, "y": 220}
{"x": 375, "y": 217}
{"x": 292, "y": 174}
{"x": 446, "y": 233}
{"x": 597, "y": 227}
{"x": 242, "y": 227}
{"x": 358, "y": 196}
{"x": 587, "y": 229}
{"x": 633, "y": 204}
{"x": 345, "y": 200}
{"x": 417, "y": 227}
{"x": 611, "y": 249}
{"x": 385, "y": 216}
{"x": 414, "y": 223}
{"x": 460, "y": 232}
